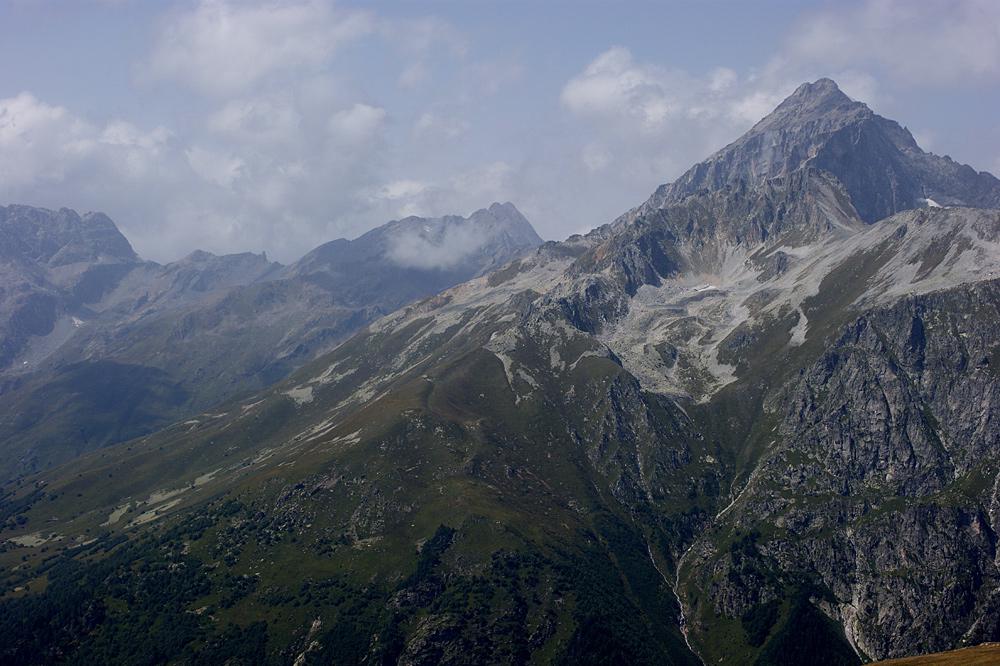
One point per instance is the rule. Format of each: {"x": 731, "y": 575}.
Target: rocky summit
{"x": 751, "y": 421}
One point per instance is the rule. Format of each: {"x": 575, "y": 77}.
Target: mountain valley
{"x": 751, "y": 421}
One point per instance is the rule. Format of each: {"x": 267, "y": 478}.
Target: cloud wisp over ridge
{"x": 446, "y": 249}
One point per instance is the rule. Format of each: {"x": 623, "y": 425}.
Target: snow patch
{"x": 34, "y": 539}
{"x": 352, "y": 438}
{"x": 117, "y": 514}
{"x": 800, "y": 330}
{"x": 205, "y": 478}
{"x": 163, "y": 495}
{"x": 302, "y": 395}
{"x": 154, "y": 513}
{"x": 328, "y": 376}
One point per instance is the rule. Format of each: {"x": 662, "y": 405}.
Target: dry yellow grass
{"x": 987, "y": 654}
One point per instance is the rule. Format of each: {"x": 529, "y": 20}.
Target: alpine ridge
{"x": 98, "y": 346}
{"x": 751, "y": 421}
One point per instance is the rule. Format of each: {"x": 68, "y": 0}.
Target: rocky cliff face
{"x": 877, "y": 484}
{"x": 745, "y": 423}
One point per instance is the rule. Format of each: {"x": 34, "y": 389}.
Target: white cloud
{"x": 613, "y": 85}
{"x": 595, "y": 157}
{"x": 721, "y": 79}
{"x": 257, "y": 120}
{"x": 471, "y": 189}
{"x": 40, "y": 142}
{"x": 650, "y": 99}
{"x": 135, "y": 152}
{"x": 357, "y": 124}
{"x": 931, "y": 42}
{"x": 414, "y": 75}
{"x": 400, "y": 189}
{"x": 433, "y": 125}
{"x": 484, "y": 183}
{"x": 447, "y": 249}
{"x": 224, "y": 48}
{"x": 218, "y": 168}
{"x": 261, "y": 174}
{"x": 419, "y": 41}
{"x": 125, "y": 134}
{"x": 754, "y": 105}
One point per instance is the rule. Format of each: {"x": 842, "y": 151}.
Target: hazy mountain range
{"x": 98, "y": 346}
{"x": 752, "y": 420}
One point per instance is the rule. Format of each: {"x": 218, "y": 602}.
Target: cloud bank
{"x": 299, "y": 121}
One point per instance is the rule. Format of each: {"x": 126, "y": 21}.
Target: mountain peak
{"x": 513, "y": 223}
{"x": 821, "y": 105}
{"x": 506, "y": 209}
{"x": 64, "y": 237}
{"x": 823, "y": 89}
{"x": 876, "y": 161}
{"x": 506, "y": 206}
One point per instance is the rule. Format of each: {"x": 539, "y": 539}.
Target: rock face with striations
{"x": 752, "y": 421}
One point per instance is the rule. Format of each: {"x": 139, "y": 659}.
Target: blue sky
{"x": 258, "y": 125}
